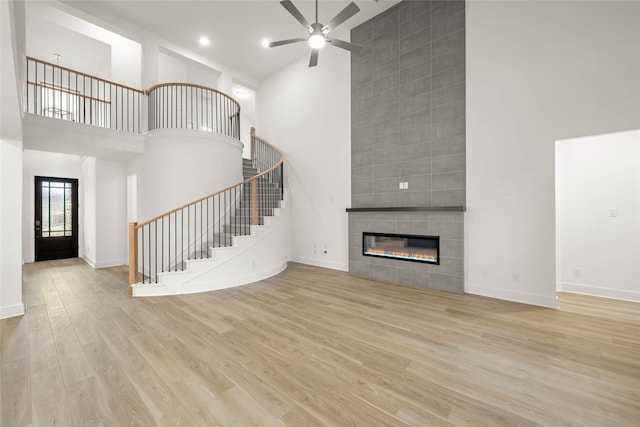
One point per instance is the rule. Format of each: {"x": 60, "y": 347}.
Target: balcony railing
{"x": 187, "y": 106}
{"x": 66, "y": 94}
{"x": 63, "y": 93}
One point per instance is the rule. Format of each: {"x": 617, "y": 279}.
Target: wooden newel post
{"x": 252, "y": 132}
{"x": 133, "y": 255}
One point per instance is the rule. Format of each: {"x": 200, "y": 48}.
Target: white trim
{"x": 88, "y": 260}
{"x": 12, "y": 311}
{"x": 111, "y": 263}
{"x": 215, "y": 285}
{"x": 512, "y": 295}
{"x": 320, "y": 263}
{"x": 599, "y": 291}
{"x": 104, "y": 264}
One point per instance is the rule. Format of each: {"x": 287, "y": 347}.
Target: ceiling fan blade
{"x": 352, "y": 47}
{"x": 346, "y": 13}
{"x": 295, "y": 12}
{"x": 288, "y": 41}
{"x": 314, "y": 57}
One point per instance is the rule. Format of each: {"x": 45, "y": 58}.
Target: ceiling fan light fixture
{"x": 317, "y": 41}
{"x": 318, "y": 32}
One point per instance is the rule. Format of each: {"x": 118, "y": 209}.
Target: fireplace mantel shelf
{"x": 410, "y": 209}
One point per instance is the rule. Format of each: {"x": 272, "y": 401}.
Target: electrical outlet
{"x": 577, "y": 272}
{"x": 485, "y": 274}
{"x": 515, "y": 278}
{"x": 613, "y": 212}
{"x": 404, "y": 185}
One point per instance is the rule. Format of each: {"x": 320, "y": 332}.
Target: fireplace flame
{"x": 404, "y": 254}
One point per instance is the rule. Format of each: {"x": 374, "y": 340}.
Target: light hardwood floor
{"x": 311, "y": 347}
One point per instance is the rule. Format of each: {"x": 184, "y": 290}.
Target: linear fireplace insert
{"x": 406, "y": 247}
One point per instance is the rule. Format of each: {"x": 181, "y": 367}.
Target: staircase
{"x": 233, "y": 237}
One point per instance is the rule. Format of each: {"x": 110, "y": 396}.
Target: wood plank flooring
{"x": 310, "y": 347}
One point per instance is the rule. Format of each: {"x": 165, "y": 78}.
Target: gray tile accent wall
{"x": 408, "y": 125}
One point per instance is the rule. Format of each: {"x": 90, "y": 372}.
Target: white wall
{"x": 537, "y": 72}
{"x": 10, "y": 229}
{"x": 126, "y": 54}
{"x": 180, "y": 166}
{"x": 78, "y": 51}
{"x": 11, "y": 48}
{"x": 176, "y": 68}
{"x": 89, "y": 224}
{"x": 247, "y": 115}
{"x": 41, "y": 163}
{"x": 111, "y": 213}
{"x": 597, "y": 253}
{"x": 306, "y": 112}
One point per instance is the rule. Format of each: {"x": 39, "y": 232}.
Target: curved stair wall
{"x": 228, "y": 238}
{"x": 169, "y": 174}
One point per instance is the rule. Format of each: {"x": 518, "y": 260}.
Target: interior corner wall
{"x": 87, "y": 191}
{"x": 598, "y": 215}
{"x": 111, "y": 213}
{"x": 537, "y": 72}
{"x": 306, "y": 113}
{"x": 10, "y": 229}
{"x": 11, "y": 48}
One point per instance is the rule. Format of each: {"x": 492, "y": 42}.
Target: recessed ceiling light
{"x": 265, "y": 43}
{"x": 240, "y": 93}
{"x": 204, "y": 41}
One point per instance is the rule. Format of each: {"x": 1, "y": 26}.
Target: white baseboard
{"x": 111, "y": 263}
{"x": 88, "y": 260}
{"x": 103, "y": 264}
{"x": 511, "y": 295}
{"x": 11, "y": 311}
{"x": 597, "y": 291}
{"x": 321, "y": 263}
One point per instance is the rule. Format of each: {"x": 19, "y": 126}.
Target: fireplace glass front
{"x": 402, "y": 246}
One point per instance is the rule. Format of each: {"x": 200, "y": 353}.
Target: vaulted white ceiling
{"x": 235, "y": 28}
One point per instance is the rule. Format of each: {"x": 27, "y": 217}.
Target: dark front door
{"x": 56, "y": 218}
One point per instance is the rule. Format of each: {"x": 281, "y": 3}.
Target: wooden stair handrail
{"x": 246, "y": 181}
{"x": 159, "y": 85}
{"x": 80, "y": 73}
{"x": 253, "y": 181}
{"x": 79, "y": 95}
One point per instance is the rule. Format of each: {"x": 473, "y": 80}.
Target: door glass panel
{"x": 68, "y": 199}
{"x": 57, "y": 203}
{"x": 45, "y": 209}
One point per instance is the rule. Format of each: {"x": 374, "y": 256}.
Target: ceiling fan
{"x": 318, "y": 33}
